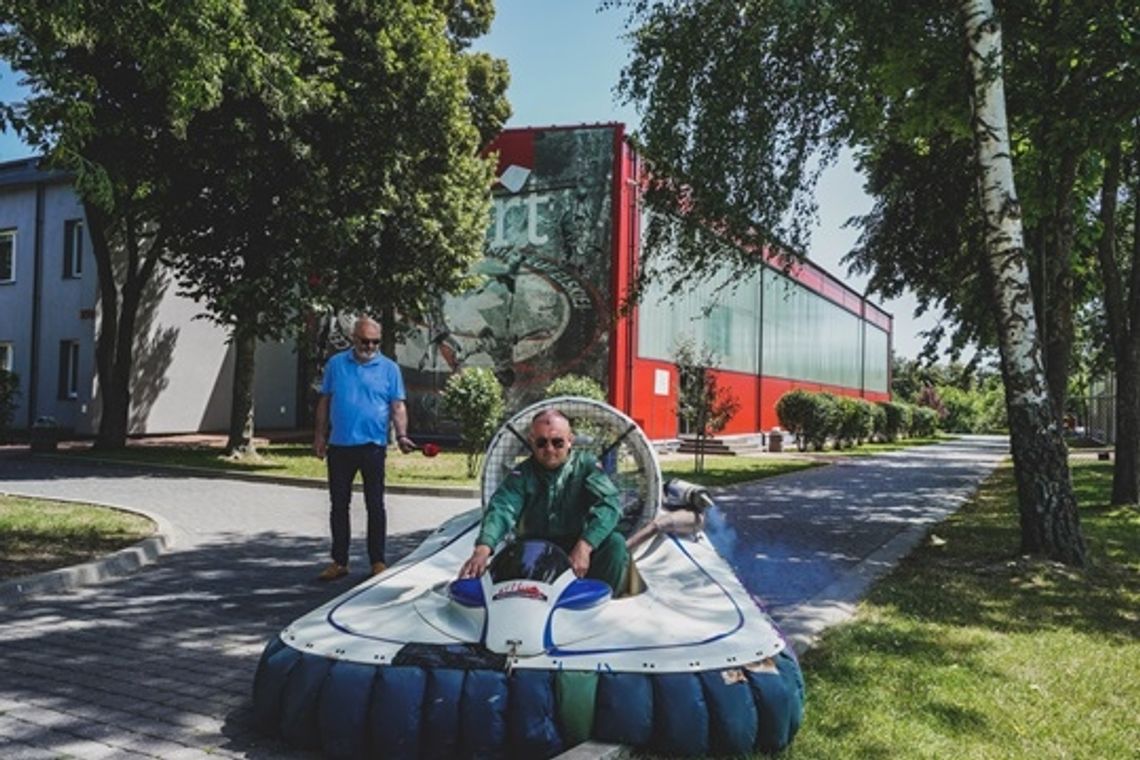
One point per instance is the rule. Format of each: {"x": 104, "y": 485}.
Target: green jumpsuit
{"x": 577, "y": 500}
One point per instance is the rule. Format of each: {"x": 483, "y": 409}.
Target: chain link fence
{"x": 1101, "y": 424}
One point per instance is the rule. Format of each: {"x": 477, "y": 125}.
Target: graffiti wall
{"x": 541, "y": 308}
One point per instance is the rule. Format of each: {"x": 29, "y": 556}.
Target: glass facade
{"x": 767, "y": 325}
{"x": 721, "y": 318}
{"x": 877, "y": 352}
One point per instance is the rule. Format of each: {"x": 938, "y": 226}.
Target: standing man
{"x": 562, "y": 496}
{"x": 360, "y": 392}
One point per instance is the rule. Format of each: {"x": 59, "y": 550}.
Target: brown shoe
{"x": 332, "y": 572}
{"x": 378, "y": 567}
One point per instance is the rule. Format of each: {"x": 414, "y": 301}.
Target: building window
{"x": 68, "y": 369}
{"x": 7, "y": 255}
{"x": 73, "y": 248}
{"x": 6, "y": 357}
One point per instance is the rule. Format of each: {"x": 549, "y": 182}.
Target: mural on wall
{"x": 541, "y": 307}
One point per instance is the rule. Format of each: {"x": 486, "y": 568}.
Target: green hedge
{"x": 815, "y": 418}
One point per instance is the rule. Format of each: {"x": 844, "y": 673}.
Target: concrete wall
{"x": 183, "y": 365}
{"x": 18, "y": 213}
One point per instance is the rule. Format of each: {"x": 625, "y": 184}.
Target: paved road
{"x": 160, "y": 664}
{"x": 809, "y": 544}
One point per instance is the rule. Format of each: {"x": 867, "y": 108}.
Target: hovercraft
{"x": 528, "y": 660}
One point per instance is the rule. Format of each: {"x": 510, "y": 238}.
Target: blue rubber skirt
{"x": 349, "y": 710}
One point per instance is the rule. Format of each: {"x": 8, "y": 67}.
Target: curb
{"x": 116, "y": 565}
{"x": 456, "y": 492}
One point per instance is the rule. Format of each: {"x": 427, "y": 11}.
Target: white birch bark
{"x": 1000, "y": 206}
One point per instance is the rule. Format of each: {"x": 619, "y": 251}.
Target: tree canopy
{"x": 744, "y": 102}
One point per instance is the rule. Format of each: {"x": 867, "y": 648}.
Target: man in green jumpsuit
{"x": 559, "y": 495}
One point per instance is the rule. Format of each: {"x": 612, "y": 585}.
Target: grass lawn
{"x": 448, "y": 468}
{"x": 967, "y": 650}
{"x": 724, "y": 471}
{"x": 38, "y": 535}
{"x": 869, "y": 448}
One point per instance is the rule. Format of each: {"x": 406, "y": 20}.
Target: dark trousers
{"x": 608, "y": 562}
{"x": 344, "y": 462}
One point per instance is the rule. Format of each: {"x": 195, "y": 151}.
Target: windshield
{"x": 529, "y": 560}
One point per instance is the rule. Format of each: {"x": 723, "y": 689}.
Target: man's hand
{"x": 580, "y": 558}
{"x": 477, "y": 563}
{"x": 406, "y": 444}
{"x": 320, "y": 446}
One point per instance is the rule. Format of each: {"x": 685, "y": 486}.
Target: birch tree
{"x": 1050, "y": 524}
{"x": 739, "y": 99}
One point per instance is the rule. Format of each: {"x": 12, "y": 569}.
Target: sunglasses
{"x": 366, "y": 342}
{"x": 541, "y": 443}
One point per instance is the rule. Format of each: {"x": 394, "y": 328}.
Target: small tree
{"x": 474, "y": 398}
{"x": 705, "y": 407}
{"x": 576, "y": 385}
{"x": 925, "y": 422}
{"x": 9, "y": 393}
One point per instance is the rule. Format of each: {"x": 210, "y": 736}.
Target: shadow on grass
{"x": 976, "y": 578}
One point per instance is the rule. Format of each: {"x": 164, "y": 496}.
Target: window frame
{"x": 73, "y": 249}
{"x": 7, "y": 359}
{"x": 68, "y": 370}
{"x": 9, "y": 234}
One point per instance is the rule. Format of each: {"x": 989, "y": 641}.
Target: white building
{"x": 49, "y": 309}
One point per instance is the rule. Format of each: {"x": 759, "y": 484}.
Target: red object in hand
{"x": 430, "y": 449}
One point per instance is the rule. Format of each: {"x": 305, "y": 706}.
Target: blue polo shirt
{"x": 360, "y": 396}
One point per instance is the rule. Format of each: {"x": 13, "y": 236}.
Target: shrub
{"x": 878, "y": 421}
{"x": 994, "y": 413}
{"x": 793, "y": 410}
{"x": 576, "y": 385}
{"x": 824, "y": 421}
{"x": 963, "y": 410}
{"x": 9, "y": 393}
{"x": 925, "y": 422}
{"x": 897, "y": 419}
{"x": 855, "y": 423}
{"x": 931, "y": 398}
{"x": 474, "y": 398}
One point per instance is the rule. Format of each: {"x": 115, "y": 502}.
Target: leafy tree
{"x": 245, "y": 233}
{"x": 400, "y": 146}
{"x": 274, "y": 212}
{"x": 738, "y": 97}
{"x": 112, "y": 94}
{"x": 575, "y": 385}
{"x": 703, "y": 405}
{"x": 474, "y": 398}
{"x": 929, "y": 398}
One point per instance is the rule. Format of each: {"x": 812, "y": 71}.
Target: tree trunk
{"x": 1126, "y": 469}
{"x": 1058, "y": 300}
{"x": 1050, "y": 525}
{"x": 108, "y": 329}
{"x": 114, "y": 349}
{"x": 1122, "y": 308}
{"x": 388, "y": 332}
{"x": 240, "y": 442}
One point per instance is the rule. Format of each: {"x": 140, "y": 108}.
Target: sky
{"x": 565, "y": 57}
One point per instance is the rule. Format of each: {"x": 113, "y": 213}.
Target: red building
{"x": 563, "y": 248}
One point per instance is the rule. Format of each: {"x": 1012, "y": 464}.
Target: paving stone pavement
{"x": 161, "y": 663}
